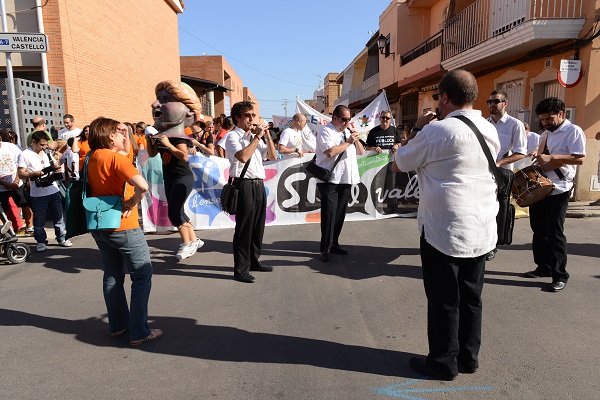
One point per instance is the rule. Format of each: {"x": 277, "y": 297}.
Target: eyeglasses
{"x": 345, "y": 119}
{"x": 249, "y": 115}
{"x": 495, "y": 101}
{"x": 385, "y": 118}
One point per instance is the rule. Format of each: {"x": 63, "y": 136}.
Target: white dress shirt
{"x": 511, "y": 133}
{"x": 346, "y": 171}
{"x": 457, "y": 191}
{"x": 237, "y": 140}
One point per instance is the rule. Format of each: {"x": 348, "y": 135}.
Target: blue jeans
{"x": 40, "y": 205}
{"x": 119, "y": 250}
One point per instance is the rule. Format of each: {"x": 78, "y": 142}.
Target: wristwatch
{"x": 297, "y": 150}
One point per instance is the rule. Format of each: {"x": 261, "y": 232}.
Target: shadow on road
{"x": 183, "y": 337}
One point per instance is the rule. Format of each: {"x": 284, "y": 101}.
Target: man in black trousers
{"x": 457, "y": 223}
{"x": 248, "y": 144}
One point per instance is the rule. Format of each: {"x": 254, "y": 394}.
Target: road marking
{"x": 400, "y": 390}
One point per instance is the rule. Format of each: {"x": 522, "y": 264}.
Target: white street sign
{"x": 23, "y": 43}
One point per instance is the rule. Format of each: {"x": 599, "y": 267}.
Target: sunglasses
{"x": 495, "y": 101}
{"x": 249, "y": 115}
{"x": 385, "y": 118}
{"x": 345, "y": 119}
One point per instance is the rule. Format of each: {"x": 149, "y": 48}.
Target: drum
{"x": 531, "y": 185}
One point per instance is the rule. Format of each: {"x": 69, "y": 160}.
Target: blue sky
{"x": 290, "y": 43}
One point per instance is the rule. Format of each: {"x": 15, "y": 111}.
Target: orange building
{"x": 106, "y": 55}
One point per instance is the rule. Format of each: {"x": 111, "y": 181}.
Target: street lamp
{"x": 383, "y": 43}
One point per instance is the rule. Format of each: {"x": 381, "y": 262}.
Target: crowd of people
{"x": 457, "y": 205}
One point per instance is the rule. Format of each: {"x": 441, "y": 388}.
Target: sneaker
{"x": 29, "y": 232}
{"x": 196, "y": 244}
{"x": 40, "y": 247}
{"x": 65, "y": 243}
{"x": 185, "y": 251}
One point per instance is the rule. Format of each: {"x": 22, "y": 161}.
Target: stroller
{"x": 10, "y": 247}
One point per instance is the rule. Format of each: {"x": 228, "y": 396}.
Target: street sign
{"x": 23, "y": 42}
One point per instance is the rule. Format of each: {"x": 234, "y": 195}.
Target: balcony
{"x": 487, "y": 29}
{"x": 423, "y": 48}
{"x": 367, "y": 89}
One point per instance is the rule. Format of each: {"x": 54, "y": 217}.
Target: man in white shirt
{"x": 69, "y": 130}
{"x": 562, "y": 148}
{"x": 457, "y": 223}
{"x": 246, "y": 146}
{"x": 533, "y": 139}
{"x": 511, "y": 133}
{"x": 336, "y": 140}
{"x": 34, "y": 163}
{"x": 10, "y": 184}
{"x": 291, "y": 141}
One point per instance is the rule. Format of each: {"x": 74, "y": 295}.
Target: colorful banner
{"x": 292, "y": 194}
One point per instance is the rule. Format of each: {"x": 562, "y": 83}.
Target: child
{"x": 71, "y": 162}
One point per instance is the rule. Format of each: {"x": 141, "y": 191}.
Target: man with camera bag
{"x": 36, "y": 164}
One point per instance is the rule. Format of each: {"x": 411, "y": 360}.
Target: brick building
{"x": 229, "y": 87}
{"x": 331, "y": 92}
{"x": 106, "y": 55}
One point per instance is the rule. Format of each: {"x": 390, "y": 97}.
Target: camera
{"x": 49, "y": 176}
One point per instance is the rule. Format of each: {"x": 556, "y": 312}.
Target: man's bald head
{"x": 460, "y": 86}
{"x": 38, "y": 123}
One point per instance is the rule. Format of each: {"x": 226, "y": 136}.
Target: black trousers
{"x": 334, "y": 201}
{"x": 547, "y": 220}
{"x": 177, "y": 191}
{"x": 453, "y": 287}
{"x": 249, "y": 224}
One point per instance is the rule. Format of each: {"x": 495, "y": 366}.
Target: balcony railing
{"x": 485, "y": 19}
{"x": 423, "y": 48}
{"x": 368, "y": 88}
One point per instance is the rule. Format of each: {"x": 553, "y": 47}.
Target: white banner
{"x": 292, "y": 195}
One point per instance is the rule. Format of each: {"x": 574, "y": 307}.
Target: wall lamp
{"x": 383, "y": 43}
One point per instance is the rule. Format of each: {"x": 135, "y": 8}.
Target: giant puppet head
{"x": 175, "y": 108}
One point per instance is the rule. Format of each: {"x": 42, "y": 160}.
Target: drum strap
{"x": 544, "y": 147}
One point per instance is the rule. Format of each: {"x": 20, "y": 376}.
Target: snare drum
{"x": 531, "y": 185}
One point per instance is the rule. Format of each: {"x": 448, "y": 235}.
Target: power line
{"x": 244, "y": 64}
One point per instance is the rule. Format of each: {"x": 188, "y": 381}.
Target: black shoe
{"x": 557, "y": 286}
{"x": 537, "y": 274}
{"x": 420, "y": 365}
{"x": 490, "y": 256}
{"x": 339, "y": 250}
{"x": 465, "y": 369}
{"x": 261, "y": 268}
{"x": 246, "y": 278}
{"x": 325, "y": 256}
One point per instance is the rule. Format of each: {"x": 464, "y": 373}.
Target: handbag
{"x": 102, "y": 213}
{"x": 75, "y": 222}
{"x": 230, "y": 192}
{"x": 319, "y": 172}
{"x": 505, "y": 220}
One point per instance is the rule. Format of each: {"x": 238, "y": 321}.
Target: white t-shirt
{"x": 533, "y": 141}
{"x": 33, "y": 161}
{"x": 64, "y": 134}
{"x": 567, "y": 139}
{"x": 291, "y": 139}
{"x": 9, "y": 153}
{"x": 346, "y": 171}
{"x": 237, "y": 140}
{"x": 457, "y": 190}
{"x": 511, "y": 133}
{"x": 72, "y": 162}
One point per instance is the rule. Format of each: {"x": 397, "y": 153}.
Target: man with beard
{"x": 562, "y": 147}
{"x": 246, "y": 148}
{"x": 511, "y": 132}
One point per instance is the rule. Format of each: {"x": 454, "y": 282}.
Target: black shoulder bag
{"x": 229, "y": 193}
{"x": 322, "y": 173}
{"x": 505, "y": 219}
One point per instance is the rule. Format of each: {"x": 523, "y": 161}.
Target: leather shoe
{"x": 537, "y": 274}
{"x": 465, "y": 369}
{"x": 491, "y": 255}
{"x": 246, "y": 278}
{"x": 557, "y": 286}
{"x": 339, "y": 250}
{"x": 261, "y": 268}
{"x": 325, "y": 256}
{"x": 420, "y": 365}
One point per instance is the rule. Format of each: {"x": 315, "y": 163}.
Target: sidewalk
{"x": 582, "y": 209}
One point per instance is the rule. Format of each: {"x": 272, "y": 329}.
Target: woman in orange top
{"x": 82, "y": 146}
{"x": 125, "y": 247}
{"x": 140, "y": 135}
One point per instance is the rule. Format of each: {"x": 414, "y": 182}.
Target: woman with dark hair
{"x": 139, "y": 135}
{"x": 81, "y": 146}
{"x": 175, "y": 107}
{"x": 124, "y": 248}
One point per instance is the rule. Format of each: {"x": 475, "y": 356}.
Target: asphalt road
{"x": 308, "y": 330}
